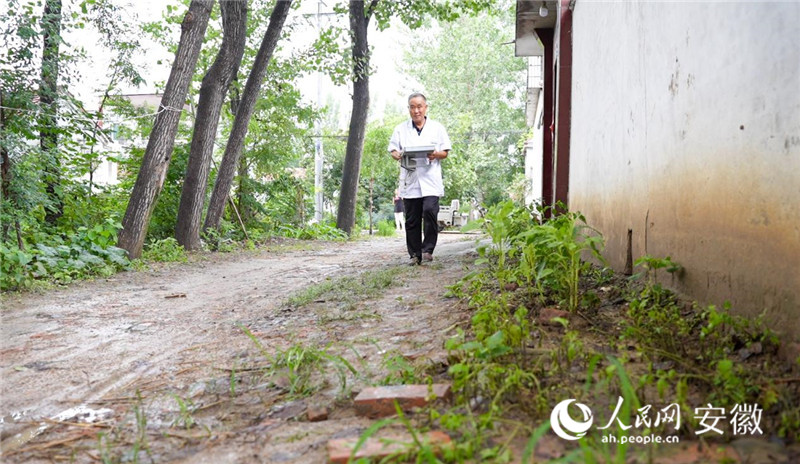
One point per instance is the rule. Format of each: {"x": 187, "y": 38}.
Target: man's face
{"x": 417, "y": 108}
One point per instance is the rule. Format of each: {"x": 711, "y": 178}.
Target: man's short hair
{"x": 415, "y": 95}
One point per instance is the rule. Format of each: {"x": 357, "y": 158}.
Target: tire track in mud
{"x": 80, "y": 345}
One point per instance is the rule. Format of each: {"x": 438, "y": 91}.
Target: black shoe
{"x": 415, "y": 261}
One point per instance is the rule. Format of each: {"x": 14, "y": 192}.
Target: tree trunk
{"x": 299, "y": 201}
{"x": 6, "y": 201}
{"x": 371, "y": 188}
{"x": 359, "y": 20}
{"x": 230, "y": 160}
{"x": 212, "y": 95}
{"x": 244, "y": 210}
{"x": 158, "y": 153}
{"x": 48, "y": 100}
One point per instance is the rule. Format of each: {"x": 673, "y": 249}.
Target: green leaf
{"x": 46, "y": 250}
{"x": 90, "y": 258}
{"x": 530, "y": 446}
{"x": 23, "y": 258}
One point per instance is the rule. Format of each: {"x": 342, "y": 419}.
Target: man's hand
{"x": 437, "y": 155}
{"x": 396, "y": 155}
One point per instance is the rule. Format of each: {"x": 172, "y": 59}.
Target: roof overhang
{"x": 528, "y": 20}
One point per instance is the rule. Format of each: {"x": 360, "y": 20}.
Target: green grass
{"x": 350, "y": 288}
{"x": 386, "y": 229}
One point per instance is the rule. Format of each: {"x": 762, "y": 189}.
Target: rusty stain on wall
{"x": 732, "y": 249}
{"x": 694, "y": 146}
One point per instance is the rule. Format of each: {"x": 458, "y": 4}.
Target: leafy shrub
{"x": 165, "y": 250}
{"x": 317, "y": 231}
{"x": 386, "y": 229}
{"x": 15, "y": 268}
{"x": 87, "y": 252}
{"x": 558, "y": 246}
{"x": 544, "y": 256}
{"x": 219, "y": 240}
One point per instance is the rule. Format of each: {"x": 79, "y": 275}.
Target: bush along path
{"x": 514, "y": 350}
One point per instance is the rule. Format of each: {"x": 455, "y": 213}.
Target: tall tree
{"x": 359, "y": 22}
{"x": 212, "y": 95}
{"x": 48, "y": 99}
{"x": 412, "y": 13}
{"x": 246, "y": 106}
{"x": 162, "y": 138}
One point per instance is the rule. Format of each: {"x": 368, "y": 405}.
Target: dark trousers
{"x": 421, "y": 211}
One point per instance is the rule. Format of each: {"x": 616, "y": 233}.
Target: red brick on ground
{"x": 547, "y": 314}
{"x": 379, "y": 401}
{"x": 317, "y": 413}
{"x": 339, "y": 450}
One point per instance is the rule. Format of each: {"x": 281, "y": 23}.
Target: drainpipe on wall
{"x": 546, "y": 37}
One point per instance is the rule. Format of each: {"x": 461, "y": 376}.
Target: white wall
{"x": 686, "y": 129}
{"x": 533, "y": 158}
{"x": 533, "y": 150}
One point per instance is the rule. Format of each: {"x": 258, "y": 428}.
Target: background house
{"x": 116, "y": 144}
{"x": 675, "y": 129}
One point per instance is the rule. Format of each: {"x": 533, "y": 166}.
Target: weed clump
{"x": 349, "y": 289}
{"x": 626, "y": 342}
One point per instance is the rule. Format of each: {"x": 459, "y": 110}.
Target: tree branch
{"x": 371, "y": 9}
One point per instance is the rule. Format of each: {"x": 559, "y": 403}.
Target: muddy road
{"x": 163, "y": 365}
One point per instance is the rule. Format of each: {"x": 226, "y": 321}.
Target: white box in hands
{"x": 421, "y": 151}
{"x": 417, "y": 156}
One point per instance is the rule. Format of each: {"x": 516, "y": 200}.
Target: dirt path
{"x": 176, "y": 332}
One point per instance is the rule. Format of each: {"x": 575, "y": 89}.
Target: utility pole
{"x": 319, "y": 155}
{"x": 318, "y": 149}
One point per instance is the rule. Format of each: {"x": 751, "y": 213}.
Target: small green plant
{"x": 723, "y": 332}
{"x": 316, "y": 231}
{"x": 349, "y": 288}
{"x": 105, "y": 448}
{"x": 400, "y": 370}
{"x": 140, "y": 438}
{"x": 652, "y": 264}
{"x": 569, "y": 350}
{"x": 658, "y": 321}
{"x": 502, "y": 222}
{"x": 232, "y": 382}
{"x": 300, "y": 364}
{"x": 186, "y": 409}
{"x": 165, "y": 251}
{"x": 790, "y": 422}
{"x": 218, "y": 240}
{"x": 107, "y": 442}
{"x": 15, "y": 271}
{"x": 558, "y": 246}
{"x": 386, "y": 229}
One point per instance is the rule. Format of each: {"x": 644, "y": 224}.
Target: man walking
{"x": 420, "y": 179}
{"x": 399, "y": 216}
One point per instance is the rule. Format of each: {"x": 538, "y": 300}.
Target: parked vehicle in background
{"x": 450, "y": 216}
